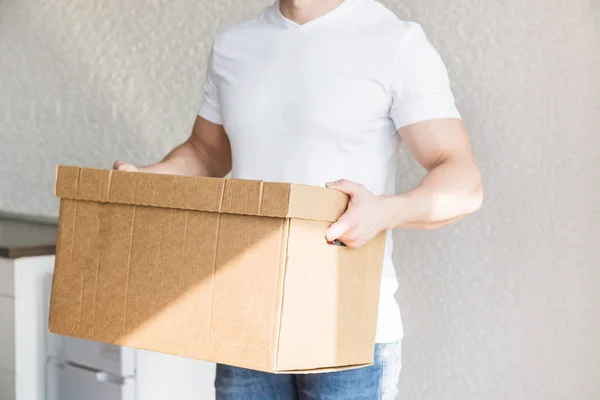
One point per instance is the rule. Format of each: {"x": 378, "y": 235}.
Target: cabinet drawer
{"x": 7, "y": 278}
{"x": 7, "y": 335}
{"x": 7, "y": 386}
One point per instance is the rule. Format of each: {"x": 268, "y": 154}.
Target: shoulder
{"x": 376, "y": 17}
{"x": 239, "y": 34}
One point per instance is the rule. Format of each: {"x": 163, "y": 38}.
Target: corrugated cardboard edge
{"x": 375, "y": 258}
{"x": 281, "y": 289}
{"x": 367, "y": 280}
{"x": 212, "y": 276}
{"x": 279, "y": 200}
{"x": 57, "y": 257}
{"x": 321, "y": 370}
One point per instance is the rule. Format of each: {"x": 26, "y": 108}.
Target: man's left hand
{"x": 367, "y": 215}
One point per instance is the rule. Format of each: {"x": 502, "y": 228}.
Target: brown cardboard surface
{"x": 232, "y": 196}
{"x": 343, "y": 284}
{"x": 231, "y": 271}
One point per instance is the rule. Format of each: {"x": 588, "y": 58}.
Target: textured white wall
{"x": 85, "y": 82}
{"x": 506, "y": 304}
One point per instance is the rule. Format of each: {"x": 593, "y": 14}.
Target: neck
{"x": 303, "y": 11}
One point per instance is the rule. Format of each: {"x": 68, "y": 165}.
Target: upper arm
{"x": 210, "y": 142}
{"x": 422, "y": 104}
{"x": 209, "y": 138}
{"x": 434, "y": 141}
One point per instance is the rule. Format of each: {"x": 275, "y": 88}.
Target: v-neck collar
{"x": 278, "y": 17}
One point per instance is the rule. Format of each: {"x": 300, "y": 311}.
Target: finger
{"x": 347, "y": 242}
{"x": 346, "y": 186}
{"x": 118, "y": 164}
{"x": 338, "y": 229}
{"x": 123, "y": 166}
{"x": 351, "y": 243}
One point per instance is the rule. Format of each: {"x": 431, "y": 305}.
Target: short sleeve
{"x": 420, "y": 88}
{"x": 210, "y": 108}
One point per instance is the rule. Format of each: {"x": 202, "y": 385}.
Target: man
{"x": 321, "y": 92}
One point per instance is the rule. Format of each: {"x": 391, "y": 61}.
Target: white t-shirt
{"x": 322, "y": 101}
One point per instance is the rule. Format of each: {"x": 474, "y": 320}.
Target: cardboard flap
{"x": 233, "y": 196}
{"x": 322, "y": 370}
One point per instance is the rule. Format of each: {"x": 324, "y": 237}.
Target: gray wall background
{"x": 504, "y": 305}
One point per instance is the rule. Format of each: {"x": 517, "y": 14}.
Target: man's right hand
{"x": 124, "y": 166}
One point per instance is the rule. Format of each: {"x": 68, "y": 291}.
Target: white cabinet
{"x": 23, "y": 327}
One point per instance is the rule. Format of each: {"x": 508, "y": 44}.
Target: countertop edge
{"x": 26, "y": 236}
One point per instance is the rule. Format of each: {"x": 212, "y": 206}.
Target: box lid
{"x": 233, "y": 196}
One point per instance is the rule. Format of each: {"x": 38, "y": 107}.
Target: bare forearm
{"x": 182, "y": 160}
{"x": 207, "y": 152}
{"x": 446, "y": 194}
{"x": 187, "y": 159}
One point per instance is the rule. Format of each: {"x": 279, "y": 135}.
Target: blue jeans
{"x": 376, "y": 382}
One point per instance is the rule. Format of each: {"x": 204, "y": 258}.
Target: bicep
{"x": 211, "y": 142}
{"x": 434, "y": 141}
{"x": 423, "y": 107}
{"x": 208, "y": 133}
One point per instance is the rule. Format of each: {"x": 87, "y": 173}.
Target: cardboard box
{"x": 231, "y": 271}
